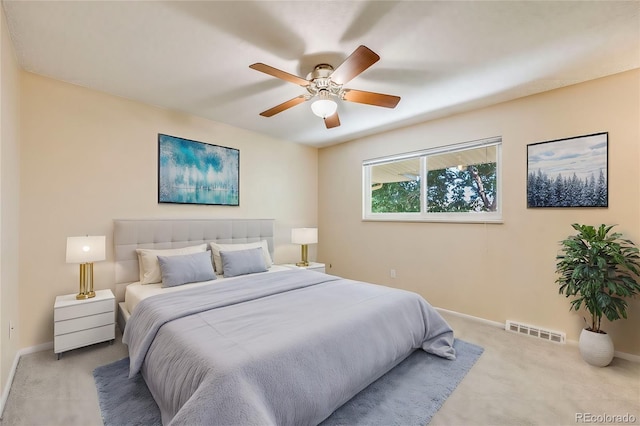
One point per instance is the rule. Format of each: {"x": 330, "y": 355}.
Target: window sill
{"x": 490, "y": 219}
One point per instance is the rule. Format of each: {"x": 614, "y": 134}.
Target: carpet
{"x": 410, "y": 394}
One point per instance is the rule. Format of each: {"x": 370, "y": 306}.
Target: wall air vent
{"x": 540, "y": 333}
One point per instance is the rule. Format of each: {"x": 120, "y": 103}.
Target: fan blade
{"x": 371, "y": 98}
{"x": 275, "y": 72}
{"x": 332, "y": 121}
{"x": 283, "y": 106}
{"x": 361, "y": 59}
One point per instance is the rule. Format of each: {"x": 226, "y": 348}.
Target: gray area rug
{"x": 410, "y": 394}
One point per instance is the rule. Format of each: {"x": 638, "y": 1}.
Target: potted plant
{"x": 599, "y": 270}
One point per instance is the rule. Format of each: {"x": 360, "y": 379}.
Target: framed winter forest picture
{"x": 571, "y": 172}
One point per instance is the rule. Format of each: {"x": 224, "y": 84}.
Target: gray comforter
{"x": 285, "y": 348}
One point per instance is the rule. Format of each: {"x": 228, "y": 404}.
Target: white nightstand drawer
{"x": 82, "y": 323}
{"x": 82, "y": 338}
{"x": 85, "y": 308}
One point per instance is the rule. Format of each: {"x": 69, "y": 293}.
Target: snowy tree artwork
{"x": 568, "y": 172}
{"x": 191, "y": 172}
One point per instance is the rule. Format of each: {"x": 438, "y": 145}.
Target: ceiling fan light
{"x": 324, "y": 108}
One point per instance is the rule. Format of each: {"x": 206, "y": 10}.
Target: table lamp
{"x": 85, "y": 251}
{"x": 304, "y": 236}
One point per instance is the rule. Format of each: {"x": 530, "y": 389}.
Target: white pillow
{"x": 148, "y": 261}
{"x": 217, "y": 248}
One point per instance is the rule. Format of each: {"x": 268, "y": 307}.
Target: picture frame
{"x": 192, "y": 172}
{"x": 570, "y": 172}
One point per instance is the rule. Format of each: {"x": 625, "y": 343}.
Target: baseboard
{"x": 7, "y": 386}
{"x": 14, "y": 366}
{"x": 628, "y": 357}
{"x": 617, "y": 354}
{"x": 471, "y": 317}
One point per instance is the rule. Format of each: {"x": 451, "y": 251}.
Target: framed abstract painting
{"x": 571, "y": 172}
{"x": 191, "y": 172}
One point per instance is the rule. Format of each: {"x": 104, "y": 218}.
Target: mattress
{"x": 136, "y": 292}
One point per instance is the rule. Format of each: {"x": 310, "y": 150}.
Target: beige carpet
{"x": 517, "y": 381}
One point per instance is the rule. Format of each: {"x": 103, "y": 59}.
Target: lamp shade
{"x": 85, "y": 249}
{"x": 324, "y": 108}
{"x": 304, "y": 235}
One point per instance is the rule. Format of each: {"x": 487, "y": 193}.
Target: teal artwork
{"x": 191, "y": 172}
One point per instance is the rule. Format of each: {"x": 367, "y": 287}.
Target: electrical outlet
{"x": 392, "y": 273}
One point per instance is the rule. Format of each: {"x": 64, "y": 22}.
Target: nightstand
{"x": 79, "y": 323}
{"x": 313, "y": 266}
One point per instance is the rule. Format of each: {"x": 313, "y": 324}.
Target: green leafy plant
{"x": 600, "y": 270}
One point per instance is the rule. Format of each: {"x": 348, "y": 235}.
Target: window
{"x": 457, "y": 183}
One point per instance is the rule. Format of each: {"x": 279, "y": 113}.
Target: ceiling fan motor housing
{"x": 320, "y": 71}
{"x": 320, "y": 81}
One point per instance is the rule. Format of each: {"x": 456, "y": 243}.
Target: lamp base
{"x": 304, "y": 261}
{"x": 82, "y": 296}
{"x": 86, "y": 282}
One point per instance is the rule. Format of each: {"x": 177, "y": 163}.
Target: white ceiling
{"x": 440, "y": 57}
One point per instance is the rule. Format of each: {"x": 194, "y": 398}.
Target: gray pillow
{"x": 187, "y": 268}
{"x": 242, "y": 262}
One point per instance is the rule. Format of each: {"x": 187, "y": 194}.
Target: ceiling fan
{"x": 326, "y": 84}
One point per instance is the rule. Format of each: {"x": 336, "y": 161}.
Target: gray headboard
{"x": 129, "y": 235}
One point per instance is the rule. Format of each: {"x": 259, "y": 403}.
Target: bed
{"x": 132, "y": 234}
{"x": 282, "y": 346}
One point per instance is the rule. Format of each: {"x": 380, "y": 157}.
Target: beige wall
{"x": 498, "y": 271}
{"x": 89, "y": 158}
{"x": 9, "y": 200}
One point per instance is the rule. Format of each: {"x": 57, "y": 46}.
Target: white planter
{"x": 596, "y": 348}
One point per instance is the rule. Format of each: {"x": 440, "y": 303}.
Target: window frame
{"x": 424, "y": 216}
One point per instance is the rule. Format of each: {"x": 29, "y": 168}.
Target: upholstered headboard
{"x": 129, "y": 235}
